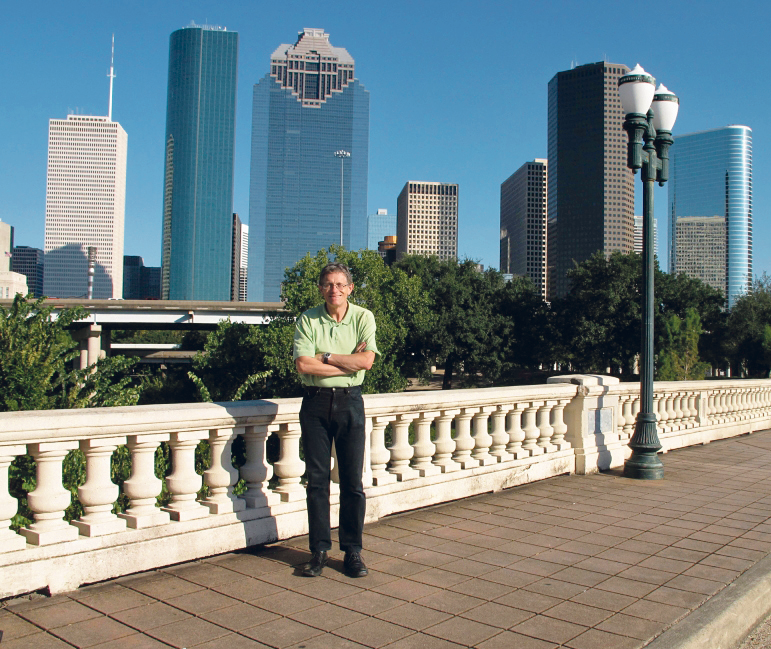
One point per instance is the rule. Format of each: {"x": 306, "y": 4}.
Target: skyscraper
{"x": 307, "y": 108}
{"x": 591, "y": 190}
{"x": 638, "y": 235}
{"x": 711, "y": 175}
{"x": 523, "y": 223}
{"x": 427, "y": 220}
{"x": 200, "y": 146}
{"x": 29, "y": 262}
{"x": 6, "y": 246}
{"x": 238, "y": 264}
{"x": 85, "y": 204}
{"x": 380, "y": 226}
{"x": 701, "y": 249}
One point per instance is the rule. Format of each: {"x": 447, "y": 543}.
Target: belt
{"x": 312, "y": 390}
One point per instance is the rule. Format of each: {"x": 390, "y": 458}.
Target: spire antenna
{"x": 112, "y": 76}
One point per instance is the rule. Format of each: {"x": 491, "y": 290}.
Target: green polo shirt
{"x": 315, "y": 331}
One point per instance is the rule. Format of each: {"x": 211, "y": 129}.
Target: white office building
{"x": 85, "y": 205}
{"x": 427, "y": 220}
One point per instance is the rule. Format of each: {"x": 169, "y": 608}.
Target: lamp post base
{"x": 644, "y": 463}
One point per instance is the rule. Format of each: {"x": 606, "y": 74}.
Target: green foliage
{"x": 147, "y": 337}
{"x": 745, "y": 341}
{"x": 397, "y": 301}
{"x": 678, "y": 358}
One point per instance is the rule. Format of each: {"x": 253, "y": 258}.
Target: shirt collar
{"x": 346, "y": 318}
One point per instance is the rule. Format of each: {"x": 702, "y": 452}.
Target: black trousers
{"x": 326, "y": 415}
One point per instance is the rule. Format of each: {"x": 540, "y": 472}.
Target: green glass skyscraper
{"x": 306, "y": 192}
{"x": 200, "y": 145}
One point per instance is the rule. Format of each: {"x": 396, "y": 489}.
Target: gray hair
{"x": 335, "y": 267}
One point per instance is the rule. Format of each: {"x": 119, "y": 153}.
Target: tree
{"x": 396, "y": 300}
{"x": 600, "y": 316}
{"x": 745, "y": 330}
{"x": 36, "y": 354}
{"x": 464, "y": 333}
{"x": 678, "y": 358}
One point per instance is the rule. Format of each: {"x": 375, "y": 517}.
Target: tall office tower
{"x": 29, "y": 262}
{"x": 6, "y": 246}
{"x": 200, "y": 147}
{"x": 427, "y": 220}
{"x": 711, "y": 175}
{"x": 701, "y": 249}
{"x": 380, "y": 226}
{"x": 310, "y": 148}
{"x": 591, "y": 190}
{"x": 239, "y": 263}
{"x": 523, "y": 223}
{"x": 140, "y": 282}
{"x": 638, "y": 235}
{"x": 85, "y": 206}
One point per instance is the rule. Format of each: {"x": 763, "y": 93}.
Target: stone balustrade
{"x": 423, "y": 448}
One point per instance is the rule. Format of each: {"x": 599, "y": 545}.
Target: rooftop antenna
{"x": 112, "y": 76}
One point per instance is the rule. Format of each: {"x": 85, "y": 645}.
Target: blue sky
{"x": 458, "y": 90}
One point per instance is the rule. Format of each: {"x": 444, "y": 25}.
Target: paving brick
{"x": 633, "y": 627}
{"x": 413, "y": 616}
{"x": 38, "y": 641}
{"x": 93, "y": 632}
{"x": 578, "y": 613}
{"x": 450, "y": 602}
{"x": 373, "y": 632}
{"x": 422, "y": 641}
{"x": 497, "y": 615}
{"x": 247, "y": 590}
{"x": 369, "y": 603}
{"x": 153, "y": 615}
{"x": 14, "y": 627}
{"x": 549, "y": 629}
{"x": 604, "y": 599}
{"x": 281, "y": 633}
{"x": 239, "y": 616}
{"x": 60, "y": 614}
{"x": 656, "y": 611}
{"x": 463, "y": 631}
{"x": 596, "y": 639}
{"x": 188, "y": 632}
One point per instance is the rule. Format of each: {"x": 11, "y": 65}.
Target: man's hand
{"x": 337, "y": 364}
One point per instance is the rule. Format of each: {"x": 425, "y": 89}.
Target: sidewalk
{"x": 576, "y": 561}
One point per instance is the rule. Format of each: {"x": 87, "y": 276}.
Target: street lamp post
{"x": 342, "y": 155}
{"x": 650, "y": 117}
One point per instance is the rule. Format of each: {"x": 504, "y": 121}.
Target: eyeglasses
{"x": 329, "y": 287}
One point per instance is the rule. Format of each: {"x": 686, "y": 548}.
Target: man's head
{"x": 335, "y": 283}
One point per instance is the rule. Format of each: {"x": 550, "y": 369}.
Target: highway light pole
{"x": 650, "y": 117}
{"x": 342, "y": 155}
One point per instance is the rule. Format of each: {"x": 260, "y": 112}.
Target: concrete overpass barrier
{"x": 443, "y": 446}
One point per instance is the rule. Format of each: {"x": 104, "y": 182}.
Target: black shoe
{"x": 314, "y": 567}
{"x": 354, "y": 565}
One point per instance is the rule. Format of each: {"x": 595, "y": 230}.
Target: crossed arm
{"x": 337, "y": 364}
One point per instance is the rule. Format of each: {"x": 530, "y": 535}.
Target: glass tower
{"x": 307, "y": 108}
{"x": 200, "y": 144}
{"x": 379, "y": 226}
{"x": 711, "y": 175}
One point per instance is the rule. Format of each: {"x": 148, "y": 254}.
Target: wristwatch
{"x": 325, "y": 358}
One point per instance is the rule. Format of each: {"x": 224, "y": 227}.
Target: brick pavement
{"x": 575, "y": 561}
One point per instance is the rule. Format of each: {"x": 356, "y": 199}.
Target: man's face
{"x": 335, "y": 289}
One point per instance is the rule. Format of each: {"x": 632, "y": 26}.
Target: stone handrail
{"x": 444, "y": 446}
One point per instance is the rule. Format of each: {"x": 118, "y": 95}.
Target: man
{"x": 334, "y": 343}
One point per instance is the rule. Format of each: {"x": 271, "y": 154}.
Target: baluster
{"x": 445, "y": 444}
{"x": 663, "y": 414}
{"x": 99, "y": 493}
{"x": 10, "y": 541}
{"x": 143, "y": 487}
{"x": 516, "y": 434}
{"x": 423, "y": 449}
{"x": 499, "y": 435}
{"x": 289, "y": 468}
{"x": 636, "y": 407}
{"x": 560, "y": 427}
{"x": 677, "y": 406}
{"x": 656, "y": 411}
{"x": 378, "y": 453}
{"x": 184, "y": 482}
{"x": 628, "y": 428}
{"x": 482, "y": 439}
{"x": 256, "y": 472}
{"x": 401, "y": 451}
{"x": 49, "y": 498}
{"x": 464, "y": 443}
{"x": 531, "y": 430}
{"x": 693, "y": 411}
{"x": 733, "y": 405}
{"x": 544, "y": 427}
{"x": 671, "y": 411}
{"x": 623, "y": 405}
{"x": 222, "y": 476}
